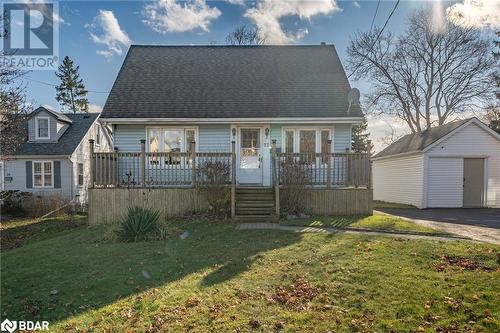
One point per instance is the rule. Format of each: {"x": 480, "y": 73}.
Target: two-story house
{"x": 54, "y": 156}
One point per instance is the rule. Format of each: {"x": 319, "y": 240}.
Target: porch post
{"x": 233, "y": 179}
{"x": 92, "y": 163}
{"x": 328, "y": 164}
{"x": 193, "y": 163}
{"x": 143, "y": 163}
{"x": 276, "y": 183}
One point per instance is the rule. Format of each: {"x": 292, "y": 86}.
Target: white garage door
{"x": 445, "y": 182}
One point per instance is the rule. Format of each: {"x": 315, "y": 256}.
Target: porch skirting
{"x": 339, "y": 201}
{"x": 108, "y": 205}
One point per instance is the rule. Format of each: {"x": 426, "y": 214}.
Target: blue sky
{"x": 99, "y": 72}
{"x": 96, "y": 34}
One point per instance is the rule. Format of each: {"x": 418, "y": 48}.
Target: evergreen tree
{"x": 361, "y": 142}
{"x": 71, "y": 93}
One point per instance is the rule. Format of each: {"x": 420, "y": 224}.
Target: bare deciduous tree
{"x": 426, "y": 75}
{"x": 245, "y": 35}
{"x": 13, "y": 106}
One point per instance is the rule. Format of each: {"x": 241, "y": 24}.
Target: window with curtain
{"x": 289, "y": 142}
{"x": 325, "y": 136}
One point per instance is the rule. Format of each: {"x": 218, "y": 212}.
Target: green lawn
{"x": 220, "y": 279}
{"x": 376, "y": 222}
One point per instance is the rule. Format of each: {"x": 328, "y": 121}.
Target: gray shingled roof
{"x": 58, "y": 115}
{"x": 230, "y": 82}
{"x": 67, "y": 143}
{"x": 418, "y": 142}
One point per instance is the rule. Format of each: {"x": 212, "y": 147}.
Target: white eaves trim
{"x": 309, "y": 120}
{"x": 408, "y": 153}
{"x": 472, "y": 121}
{"x": 437, "y": 142}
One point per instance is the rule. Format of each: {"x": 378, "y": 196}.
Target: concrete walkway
{"x": 477, "y": 233}
{"x": 328, "y": 230}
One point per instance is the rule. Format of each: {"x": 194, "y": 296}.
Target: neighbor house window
{"x": 43, "y": 174}
{"x": 98, "y": 135}
{"x": 42, "y": 127}
{"x": 170, "y": 140}
{"x": 80, "y": 174}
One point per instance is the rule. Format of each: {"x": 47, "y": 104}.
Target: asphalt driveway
{"x": 479, "y": 224}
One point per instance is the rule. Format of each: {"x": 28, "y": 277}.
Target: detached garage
{"x": 453, "y": 165}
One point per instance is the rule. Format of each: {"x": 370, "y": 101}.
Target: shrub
{"x": 212, "y": 178}
{"x": 12, "y": 201}
{"x": 294, "y": 178}
{"x": 138, "y": 224}
{"x": 39, "y": 205}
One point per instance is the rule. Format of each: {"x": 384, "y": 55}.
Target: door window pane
{"x": 250, "y": 148}
{"x": 288, "y": 142}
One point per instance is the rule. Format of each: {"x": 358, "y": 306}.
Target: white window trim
{"x": 43, "y": 173}
{"x": 36, "y": 128}
{"x": 78, "y": 174}
{"x": 98, "y": 136}
{"x": 296, "y": 137}
{"x": 183, "y": 128}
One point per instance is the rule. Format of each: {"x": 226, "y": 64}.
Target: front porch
{"x": 336, "y": 183}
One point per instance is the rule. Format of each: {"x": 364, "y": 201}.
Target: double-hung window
{"x": 80, "y": 174}
{"x": 42, "y": 127}
{"x": 43, "y": 174}
{"x": 170, "y": 140}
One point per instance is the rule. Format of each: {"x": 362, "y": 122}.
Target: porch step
{"x": 256, "y": 218}
{"x": 255, "y": 203}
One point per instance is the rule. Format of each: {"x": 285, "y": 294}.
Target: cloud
{"x": 94, "y": 108}
{"x": 236, "y": 2}
{"x": 105, "y": 30}
{"x": 166, "y": 16}
{"x": 356, "y": 4}
{"x": 267, "y": 15}
{"x": 475, "y": 13}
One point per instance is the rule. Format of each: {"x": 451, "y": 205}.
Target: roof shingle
{"x": 230, "y": 82}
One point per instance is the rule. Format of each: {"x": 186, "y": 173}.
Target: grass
{"x": 225, "y": 280}
{"x": 376, "y": 222}
{"x": 384, "y": 204}
{"x": 19, "y": 231}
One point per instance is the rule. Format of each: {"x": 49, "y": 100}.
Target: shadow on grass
{"x": 325, "y": 221}
{"x": 69, "y": 274}
{"x": 15, "y": 233}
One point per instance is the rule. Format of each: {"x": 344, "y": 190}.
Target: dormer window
{"x": 42, "y": 127}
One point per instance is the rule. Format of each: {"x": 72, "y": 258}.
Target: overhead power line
{"x": 376, "y": 39}
{"x": 54, "y": 85}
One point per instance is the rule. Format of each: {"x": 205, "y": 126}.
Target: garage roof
{"x": 419, "y": 141}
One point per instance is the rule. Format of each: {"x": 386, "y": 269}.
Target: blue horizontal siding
{"x": 341, "y": 138}
{"x": 127, "y": 137}
{"x": 214, "y": 138}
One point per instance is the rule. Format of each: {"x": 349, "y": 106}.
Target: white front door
{"x": 249, "y": 156}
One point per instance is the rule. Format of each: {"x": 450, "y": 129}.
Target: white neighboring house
{"x": 453, "y": 165}
{"x": 55, "y": 157}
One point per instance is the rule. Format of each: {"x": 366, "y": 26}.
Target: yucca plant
{"x": 138, "y": 223}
